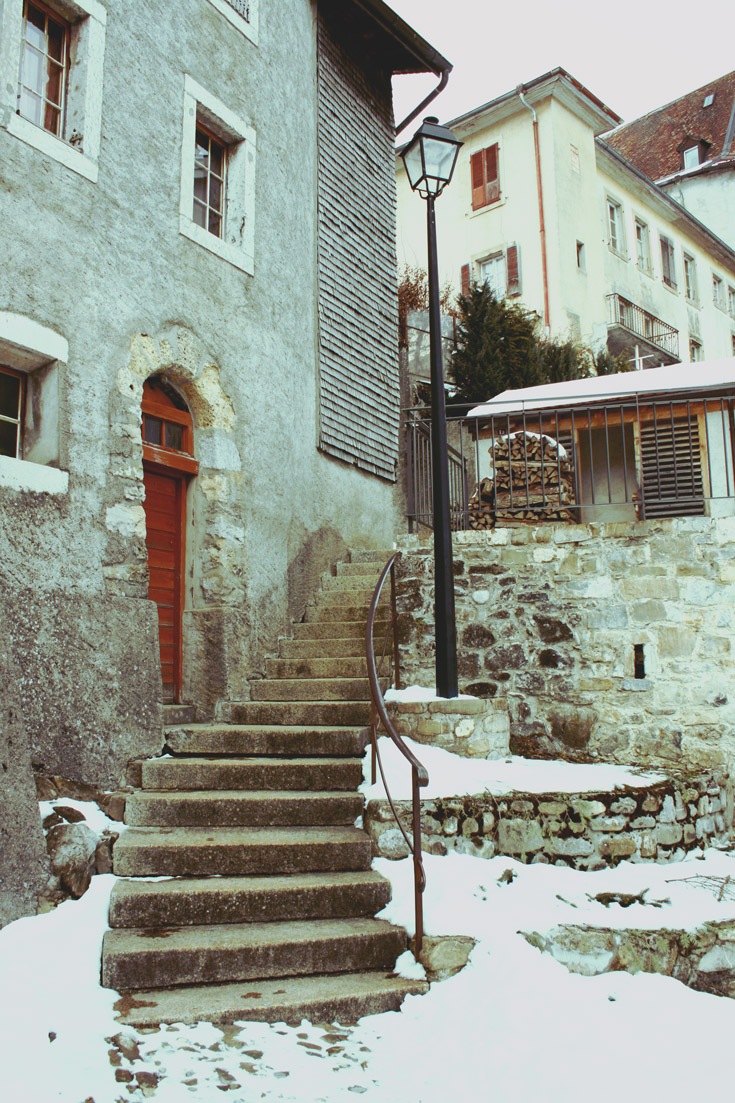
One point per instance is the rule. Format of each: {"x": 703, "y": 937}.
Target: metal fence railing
{"x": 621, "y": 460}
{"x": 622, "y": 312}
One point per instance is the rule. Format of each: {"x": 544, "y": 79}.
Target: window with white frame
{"x": 242, "y": 14}
{"x": 11, "y": 411}
{"x": 217, "y": 203}
{"x": 696, "y": 351}
{"x": 668, "y": 264}
{"x": 731, "y": 301}
{"x": 690, "y": 156}
{"x": 501, "y": 272}
{"x": 642, "y": 246}
{"x": 615, "y": 227}
{"x": 690, "y": 278}
{"x": 718, "y": 296}
{"x": 56, "y": 51}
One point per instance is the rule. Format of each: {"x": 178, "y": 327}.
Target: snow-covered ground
{"x": 514, "y": 1025}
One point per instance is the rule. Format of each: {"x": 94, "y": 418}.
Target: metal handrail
{"x": 379, "y": 714}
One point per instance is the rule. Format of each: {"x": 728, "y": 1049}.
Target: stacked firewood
{"x": 531, "y": 480}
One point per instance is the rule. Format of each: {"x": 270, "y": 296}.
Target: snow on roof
{"x": 702, "y": 376}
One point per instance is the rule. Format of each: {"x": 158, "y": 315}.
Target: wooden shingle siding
{"x": 359, "y": 402}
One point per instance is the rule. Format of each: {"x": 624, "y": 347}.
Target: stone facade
{"x": 586, "y": 831}
{"x": 552, "y": 616}
{"x": 472, "y": 728}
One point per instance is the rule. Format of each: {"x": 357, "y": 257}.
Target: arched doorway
{"x": 168, "y": 464}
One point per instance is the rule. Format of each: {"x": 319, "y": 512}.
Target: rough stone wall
{"x": 24, "y": 867}
{"x": 358, "y": 319}
{"x": 269, "y": 512}
{"x": 549, "y": 616}
{"x": 586, "y": 831}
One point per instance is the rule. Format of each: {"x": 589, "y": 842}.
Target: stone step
{"x": 353, "y": 629}
{"x": 349, "y": 582}
{"x": 237, "y": 851}
{"x": 337, "y": 667}
{"x": 357, "y": 596}
{"x": 293, "y": 713}
{"x": 200, "y": 901}
{"x": 312, "y": 689}
{"x": 256, "y": 773}
{"x": 136, "y": 958}
{"x": 233, "y": 739}
{"x": 322, "y": 649}
{"x": 179, "y": 714}
{"x": 233, "y": 808}
{"x": 344, "y": 998}
{"x": 371, "y": 555}
{"x": 371, "y": 570}
{"x": 352, "y": 612}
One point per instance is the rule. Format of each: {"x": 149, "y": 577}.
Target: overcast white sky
{"x": 634, "y": 55}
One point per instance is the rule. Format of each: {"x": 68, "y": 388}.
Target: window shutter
{"x": 492, "y": 188}
{"x": 477, "y": 170}
{"x": 465, "y": 279}
{"x": 513, "y": 270}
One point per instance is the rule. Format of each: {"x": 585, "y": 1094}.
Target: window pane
{"x": 33, "y": 69}
{"x": 174, "y": 435}
{"x": 200, "y": 185}
{"x": 9, "y": 395}
{"x": 200, "y": 214}
{"x": 31, "y": 106}
{"x": 151, "y": 429}
{"x": 215, "y": 224}
{"x": 217, "y": 157}
{"x": 215, "y": 193}
{"x": 8, "y": 439}
{"x": 52, "y": 119}
{"x": 201, "y": 150}
{"x": 54, "y": 82}
{"x": 35, "y": 26}
{"x": 55, "y": 40}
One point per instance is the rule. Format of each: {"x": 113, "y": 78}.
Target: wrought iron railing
{"x": 633, "y": 459}
{"x": 379, "y": 715}
{"x": 641, "y": 323}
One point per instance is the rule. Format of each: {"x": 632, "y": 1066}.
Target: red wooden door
{"x": 167, "y": 465}
{"x": 164, "y": 517}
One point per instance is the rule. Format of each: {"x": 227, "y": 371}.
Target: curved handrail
{"x": 419, "y": 775}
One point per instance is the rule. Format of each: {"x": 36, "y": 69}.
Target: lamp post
{"x": 430, "y": 158}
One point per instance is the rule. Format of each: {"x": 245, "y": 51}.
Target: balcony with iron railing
{"x": 625, "y": 320}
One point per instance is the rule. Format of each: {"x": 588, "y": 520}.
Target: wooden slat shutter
{"x": 465, "y": 279}
{"x": 477, "y": 171}
{"x": 492, "y": 179}
{"x": 513, "y": 270}
{"x": 672, "y": 468}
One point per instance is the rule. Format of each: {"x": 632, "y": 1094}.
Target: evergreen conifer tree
{"x": 496, "y": 347}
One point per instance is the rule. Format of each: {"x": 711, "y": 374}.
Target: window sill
{"x": 646, "y": 272}
{"x": 693, "y": 302}
{"x": 671, "y": 288}
{"x": 23, "y": 475}
{"x": 231, "y": 253}
{"x": 249, "y": 28}
{"x": 616, "y": 253}
{"x": 53, "y": 147}
{"x": 488, "y": 207}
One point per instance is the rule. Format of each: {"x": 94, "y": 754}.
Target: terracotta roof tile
{"x": 653, "y": 143}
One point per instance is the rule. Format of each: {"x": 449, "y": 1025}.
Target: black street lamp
{"x": 430, "y": 158}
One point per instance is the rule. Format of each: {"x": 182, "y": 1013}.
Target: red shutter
{"x": 477, "y": 170}
{"x": 465, "y": 279}
{"x": 492, "y": 180}
{"x": 513, "y": 270}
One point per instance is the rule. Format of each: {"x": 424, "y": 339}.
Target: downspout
{"x": 425, "y": 103}
{"x": 542, "y": 228}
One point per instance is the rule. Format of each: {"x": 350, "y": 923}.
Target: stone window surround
{"x": 247, "y": 27}
{"x": 615, "y": 226}
{"x": 36, "y": 351}
{"x": 88, "y": 19}
{"x": 238, "y": 244}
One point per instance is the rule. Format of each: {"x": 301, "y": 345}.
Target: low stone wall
{"x": 551, "y": 617}
{"x": 703, "y": 959}
{"x": 586, "y": 831}
{"x": 472, "y": 728}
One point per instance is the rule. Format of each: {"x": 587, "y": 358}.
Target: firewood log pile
{"x": 531, "y": 480}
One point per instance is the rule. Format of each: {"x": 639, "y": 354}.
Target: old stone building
{"x": 198, "y": 357}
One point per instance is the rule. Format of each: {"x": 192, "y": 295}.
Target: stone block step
{"x": 312, "y": 774}
{"x": 371, "y": 569}
{"x": 340, "y": 667}
{"x": 201, "y": 901}
{"x": 179, "y": 714}
{"x": 322, "y": 649}
{"x": 344, "y": 998}
{"x": 311, "y": 689}
{"x": 296, "y": 712}
{"x": 358, "y": 596}
{"x": 353, "y": 629}
{"x": 371, "y": 555}
{"x": 349, "y": 582}
{"x": 237, "y": 851}
{"x": 355, "y": 611}
{"x": 235, "y": 808}
{"x": 205, "y": 955}
{"x": 233, "y": 739}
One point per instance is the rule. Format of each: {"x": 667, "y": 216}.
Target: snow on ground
{"x": 513, "y": 1026}
{"x": 453, "y": 776}
{"x": 94, "y": 817}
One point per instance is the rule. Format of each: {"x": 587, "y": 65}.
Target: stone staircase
{"x": 268, "y": 912}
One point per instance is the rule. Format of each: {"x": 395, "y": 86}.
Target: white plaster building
{"x": 556, "y": 219}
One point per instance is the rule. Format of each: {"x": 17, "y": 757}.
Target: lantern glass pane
{"x": 412, "y": 161}
{"x": 439, "y": 158}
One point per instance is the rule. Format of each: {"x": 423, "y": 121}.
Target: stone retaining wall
{"x": 472, "y": 728}
{"x": 550, "y": 616}
{"x": 586, "y": 831}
